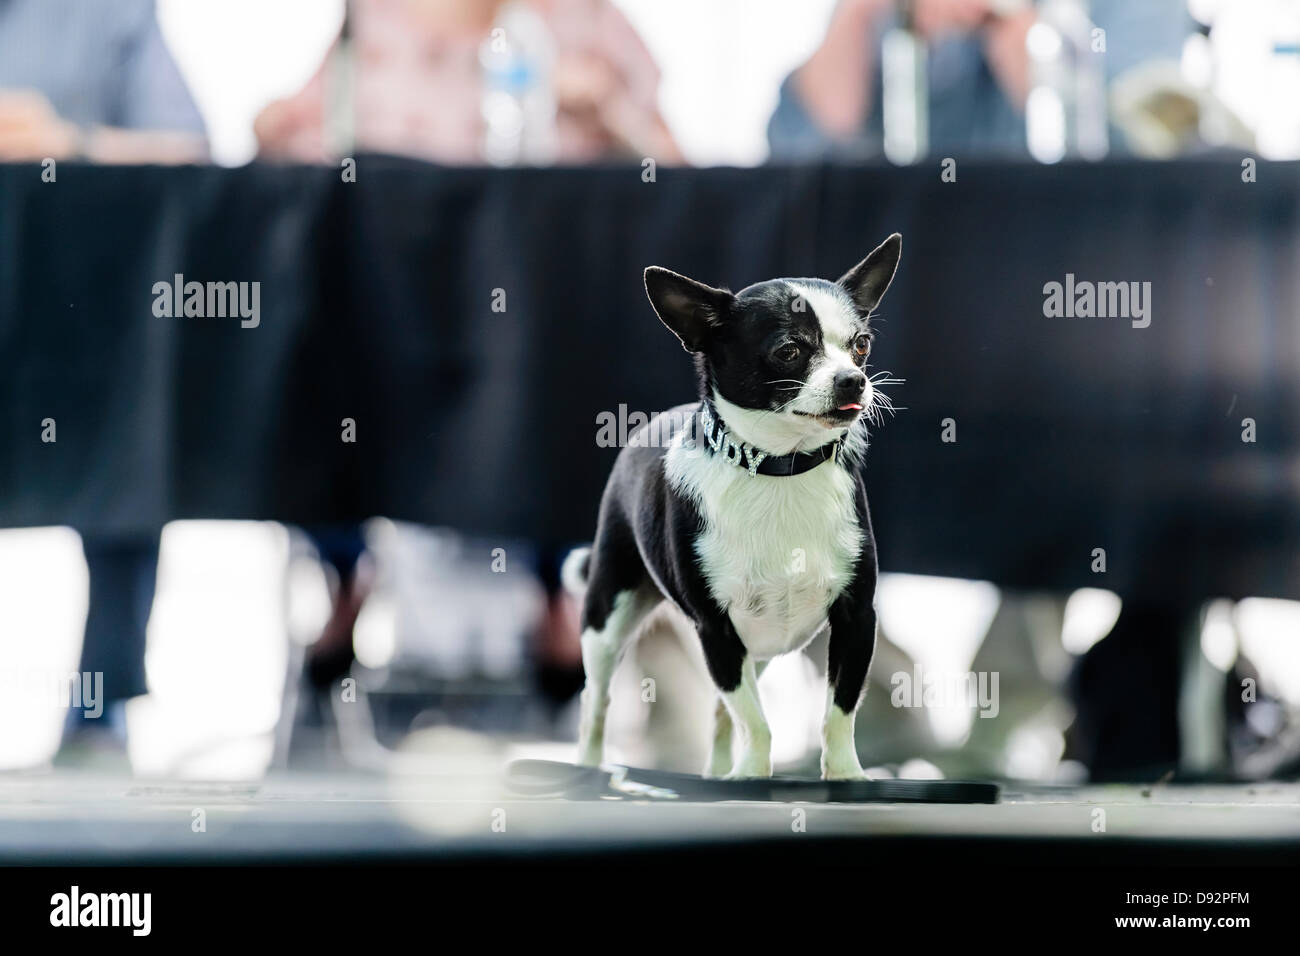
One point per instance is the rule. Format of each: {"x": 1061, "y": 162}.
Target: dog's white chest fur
{"x": 776, "y": 551}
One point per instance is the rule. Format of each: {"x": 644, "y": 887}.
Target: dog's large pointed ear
{"x": 867, "y": 282}
{"x": 692, "y": 310}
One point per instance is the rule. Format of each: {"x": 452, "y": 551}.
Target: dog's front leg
{"x": 852, "y": 644}
{"x": 736, "y": 675}
{"x": 852, "y": 618}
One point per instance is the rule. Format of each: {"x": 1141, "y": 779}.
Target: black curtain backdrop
{"x": 376, "y": 305}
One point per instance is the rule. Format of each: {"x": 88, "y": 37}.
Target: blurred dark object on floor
{"x": 557, "y": 654}
{"x": 123, "y": 573}
{"x": 1125, "y": 692}
{"x": 1263, "y": 734}
{"x": 123, "y": 576}
{"x": 342, "y": 550}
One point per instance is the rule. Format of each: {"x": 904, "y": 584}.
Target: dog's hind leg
{"x": 720, "y": 752}
{"x": 755, "y": 757}
{"x": 602, "y": 649}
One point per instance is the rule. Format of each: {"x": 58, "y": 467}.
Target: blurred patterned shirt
{"x": 419, "y": 81}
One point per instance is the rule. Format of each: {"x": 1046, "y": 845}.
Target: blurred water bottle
{"x": 1278, "y": 134}
{"x": 905, "y": 92}
{"x": 1066, "y": 112}
{"x": 518, "y": 98}
{"x": 340, "y": 92}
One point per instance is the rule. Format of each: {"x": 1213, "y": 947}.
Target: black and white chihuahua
{"x": 745, "y": 511}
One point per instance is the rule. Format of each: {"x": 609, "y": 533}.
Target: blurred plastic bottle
{"x": 1279, "y": 135}
{"x": 340, "y": 92}
{"x": 905, "y": 92}
{"x": 518, "y": 97}
{"x": 1066, "y": 112}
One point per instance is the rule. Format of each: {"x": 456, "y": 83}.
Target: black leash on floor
{"x": 550, "y": 778}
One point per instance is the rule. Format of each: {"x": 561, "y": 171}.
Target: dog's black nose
{"x": 849, "y": 385}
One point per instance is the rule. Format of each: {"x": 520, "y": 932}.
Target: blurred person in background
{"x": 424, "y": 69}
{"x": 95, "y": 82}
{"x": 92, "y": 81}
{"x": 977, "y": 74}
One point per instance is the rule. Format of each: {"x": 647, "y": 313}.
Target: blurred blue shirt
{"x": 99, "y": 62}
{"x": 968, "y": 111}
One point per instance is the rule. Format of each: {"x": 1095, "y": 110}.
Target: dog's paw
{"x": 720, "y": 761}
{"x": 859, "y": 774}
{"x": 751, "y": 768}
{"x": 848, "y": 769}
{"x": 717, "y": 770}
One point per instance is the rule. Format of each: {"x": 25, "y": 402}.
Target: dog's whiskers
{"x": 881, "y": 404}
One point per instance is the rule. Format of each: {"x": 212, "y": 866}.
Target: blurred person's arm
{"x": 294, "y": 128}
{"x": 107, "y": 144}
{"x": 1007, "y": 54}
{"x": 592, "y": 87}
{"x": 31, "y": 130}
{"x": 834, "y": 86}
{"x": 617, "y": 90}
{"x": 1000, "y": 27}
{"x": 826, "y": 103}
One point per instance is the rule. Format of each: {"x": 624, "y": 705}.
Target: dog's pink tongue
{"x": 857, "y": 406}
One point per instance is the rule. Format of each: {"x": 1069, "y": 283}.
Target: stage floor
{"x": 72, "y": 818}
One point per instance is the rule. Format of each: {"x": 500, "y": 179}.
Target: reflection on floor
{"x": 460, "y": 806}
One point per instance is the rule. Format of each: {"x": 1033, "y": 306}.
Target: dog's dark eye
{"x": 787, "y": 353}
{"x": 862, "y": 345}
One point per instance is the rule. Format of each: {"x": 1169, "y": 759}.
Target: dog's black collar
{"x": 744, "y": 455}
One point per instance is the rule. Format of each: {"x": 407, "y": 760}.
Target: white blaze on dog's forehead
{"x": 834, "y": 311}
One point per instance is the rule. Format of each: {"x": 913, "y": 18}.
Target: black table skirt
{"x": 376, "y": 304}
